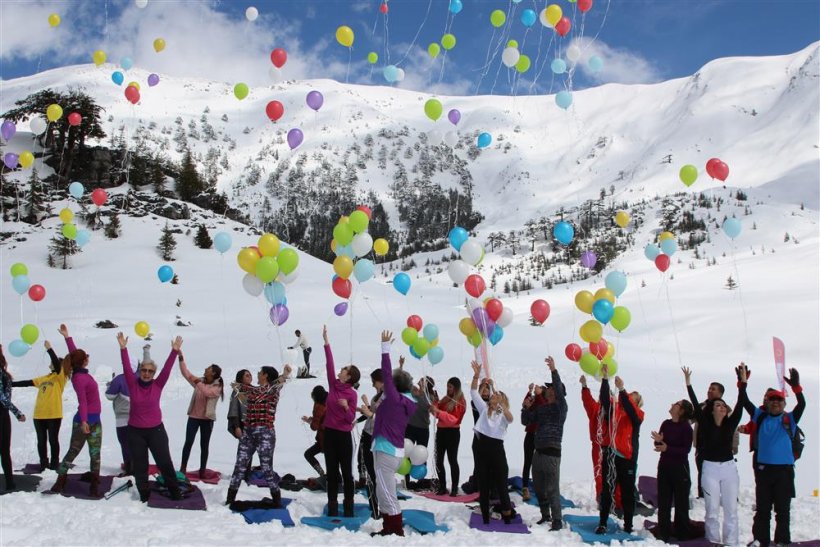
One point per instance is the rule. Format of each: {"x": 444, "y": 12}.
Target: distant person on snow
{"x": 302, "y": 343}
{"x": 201, "y": 411}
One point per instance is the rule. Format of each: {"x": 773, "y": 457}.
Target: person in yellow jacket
{"x": 48, "y": 409}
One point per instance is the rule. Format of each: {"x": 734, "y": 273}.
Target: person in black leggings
{"x": 7, "y": 406}
{"x": 449, "y": 411}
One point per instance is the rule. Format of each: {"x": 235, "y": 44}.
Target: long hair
{"x": 458, "y": 397}
{"x": 217, "y": 371}
{"x": 241, "y": 375}
{"x": 319, "y": 395}
{"x": 4, "y": 365}
{"x": 74, "y": 361}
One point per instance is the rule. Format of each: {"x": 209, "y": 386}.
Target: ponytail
{"x": 217, "y": 372}
{"x": 66, "y": 366}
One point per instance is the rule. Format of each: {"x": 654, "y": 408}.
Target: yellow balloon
{"x": 591, "y": 331}
{"x": 604, "y": 294}
{"x": 135, "y": 84}
{"x": 344, "y": 35}
{"x": 26, "y": 158}
{"x": 622, "y": 219}
{"x": 554, "y": 14}
{"x": 54, "y": 20}
{"x": 142, "y": 329}
{"x": 584, "y": 301}
{"x": 54, "y": 112}
{"x": 343, "y": 266}
{"x": 247, "y": 259}
{"x": 268, "y": 245}
{"x": 666, "y": 235}
{"x": 99, "y": 57}
{"x": 610, "y": 350}
{"x": 467, "y": 326}
{"x": 159, "y": 45}
{"x": 333, "y": 245}
{"x": 381, "y": 246}
{"x": 66, "y": 215}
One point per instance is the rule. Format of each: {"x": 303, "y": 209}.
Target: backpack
{"x": 798, "y": 439}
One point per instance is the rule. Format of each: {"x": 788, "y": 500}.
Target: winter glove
{"x": 794, "y": 380}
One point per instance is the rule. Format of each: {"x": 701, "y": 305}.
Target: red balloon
{"x": 710, "y": 166}
{"x": 342, "y": 287}
{"x": 37, "y": 292}
{"x": 366, "y": 210}
{"x": 474, "y": 285}
{"x": 75, "y": 119}
{"x": 562, "y": 27}
{"x": 599, "y": 348}
{"x": 132, "y": 94}
{"x": 584, "y": 5}
{"x": 383, "y": 8}
{"x": 494, "y": 308}
{"x": 99, "y": 196}
{"x": 415, "y": 322}
{"x": 662, "y": 262}
{"x": 721, "y": 171}
{"x": 278, "y": 57}
{"x": 573, "y": 352}
{"x": 540, "y": 310}
{"x": 274, "y": 110}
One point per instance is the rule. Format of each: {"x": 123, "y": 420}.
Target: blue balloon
{"x": 18, "y": 348}
{"x": 651, "y": 251}
{"x": 496, "y": 335}
{"x": 76, "y": 189}
{"x": 363, "y": 270}
{"x": 731, "y": 227}
{"x": 418, "y": 472}
{"x": 602, "y": 310}
{"x": 457, "y": 237}
{"x": 401, "y": 282}
{"x": 563, "y": 99}
{"x": 563, "y": 232}
{"x": 595, "y": 63}
{"x": 430, "y": 332}
{"x": 126, "y": 63}
{"x": 275, "y": 293}
{"x": 83, "y": 237}
{"x": 345, "y": 250}
{"x": 558, "y": 66}
{"x": 21, "y": 284}
{"x": 414, "y": 354}
{"x": 616, "y": 282}
{"x": 669, "y": 246}
{"x": 165, "y": 273}
{"x": 391, "y": 73}
{"x": 435, "y": 355}
{"x": 528, "y": 17}
{"x": 484, "y": 140}
{"x": 117, "y": 77}
{"x": 455, "y": 6}
{"x": 222, "y": 242}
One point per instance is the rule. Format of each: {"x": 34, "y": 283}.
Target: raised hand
{"x": 123, "y": 340}
{"x": 687, "y": 375}
{"x": 324, "y": 335}
{"x": 604, "y": 371}
{"x": 401, "y": 361}
{"x": 550, "y": 363}
{"x": 177, "y": 343}
{"x": 287, "y": 370}
{"x": 47, "y": 345}
{"x": 387, "y": 336}
{"x": 619, "y": 383}
{"x": 63, "y": 330}
{"x": 794, "y": 379}
{"x": 583, "y": 380}
{"x": 747, "y": 370}
{"x": 476, "y": 369}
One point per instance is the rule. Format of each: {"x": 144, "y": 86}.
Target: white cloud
{"x": 620, "y": 65}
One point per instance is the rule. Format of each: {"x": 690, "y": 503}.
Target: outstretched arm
{"x": 329, "y": 366}
{"x": 390, "y": 391}
{"x": 183, "y": 368}
{"x": 165, "y": 373}
{"x": 69, "y": 341}
{"x": 128, "y": 373}
{"x": 794, "y": 382}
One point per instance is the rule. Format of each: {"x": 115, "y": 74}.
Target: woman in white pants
{"x": 719, "y": 478}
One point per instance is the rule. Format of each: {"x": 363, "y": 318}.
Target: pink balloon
{"x": 540, "y": 310}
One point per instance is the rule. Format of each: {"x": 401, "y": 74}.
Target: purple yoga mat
{"x": 32, "y": 469}
{"x": 194, "y": 502}
{"x": 648, "y": 487}
{"x": 76, "y": 488}
{"x": 516, "y": 525}
{"x": 463, "y": 498}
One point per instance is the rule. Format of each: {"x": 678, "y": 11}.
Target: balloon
{"x": 165, "y": 273}
{"x": 268, "y": 245}
{"x": 37, "y": 292}
{"x": 433, "y": 50}
{"x": 343, "y": 234}
{"x": 523, "y": 64}
{"x": 435, "y": 355}
{"x": 358, "y": 221}
{"x": 662, "y": 262}
{"x": 497, "y": 18}
{"x": 591, "y": 331}
{"x": 665, "y": 235}
{"x": 512, "y": 43}
{"x": 553, "y": 14}
{"x": 611, "y": 365}
{"x": 506, "y": 318}
{"x": 732, "y": 227}
{"x": 448, "y": 41}
{"x": 482, "y": 321}
{"x": 381, "y": 246}
{"x": 26, "y": 159}
{"x": 710, "y": 166}
{"x": 415, "y": 322}
{"x": 99, "y": 57}
{"x": 401, "y": 282}
{"x": 362, "y": 243}
{"x": 247, "y": 259}
{"x": 75, "y": 119}
{"x": 540, "y": 310}
{"x": 454, "y": 116}
{"x": 457, "y": 237}
{"x": 54, "y": 20}
{"x": 70, "y": 231}
{"x": 563, "y": 232}
{"x": 584, "y": 301}
{"x": 573, "y": 53}
{"x": 278, "y": 57}
{"x": 409, "y": 335}
{"x": 430, "y": 332}
{"x": 588, "y": 259}
{"x": 141, "y": 3}
{"x": 620, "y": 318}
{"x": 159, "y": 45}
{"x": 391, "y": 73}
{"x": 315, "y": 100}
{"x": 467, "y": 326}
{"x": 267, "y": 269}
{"x": 126, "y": 63}
{"x": 558, "y": 66}
{"x": 20, "y": 283}
{"x": 274, "y": 110}
{"x": 584, "y": 5}
{"x": 496, "y": 336}
{"x": 288, "y": 261}
{"x": 562, "y": 27}
{"x": 474, "y": 285}
{"x": 252, "y": 285}
{"x": 99, "y": 197}
{"x": 458, "y": 270}
{"x": 669, "y": 246}
{"x": 11, "y": 160}
{"x": 132, "y": 94}
{"x": 651, "y": 251}
{"x": 54, "y": 112}
{"x": 421, "y": 347}
{"x": 38, "y": 125}
{"x": 688, "y": 174}
{"x": 279, "y": 314}
{"x": 275, "y": 293}
{"x": 18, "y": 268}
{"x": 590, "y": 364}
{"x": 295, "y": 138}
{"x": 83, "y": 237}
{"x": 573, "y": 352}
{"x": 484, "y": 140}
{"x": 622, "y": 219}
{"x": 366, "y": 210}
{"x": 510, "y": 56}
{"x": 451, "y": 139}
{"x": 240, "y": 90}
{"x": 610, "y": 349}
{"x": 471, "y": 252}
{"x": 342, "y": 287}
{"x": 142, "y": 329}
{"x": 528, "y": 17}
{"x": 494, "y": 308}
{"x": 117, "y": 77}
{"x": 563, "y": 99}
{"x": 66, "y": 215}
{"x": 340, "y": 309}
{"x": 344, "y": 35}
{"x": 8, "y": 129}
{"x": 721, "y": 171}
{"x": 432, "y": 108}
{"x": 595, "y": 63}
{"x": 455, "y": 6}
{"x": 606, "y": 294}
{"x": 602, "y": 310}
{"x": 251, "y": 13}
{"x": 599, "y": 349}
{"x": 475, "y": 339}
{"x": 222, "y": 242}
{"x": 615, "y": 282}
{"x": 372, "y": 57}
{"x": 18, "y": 348}
{"x": 343, "y": 266}
{"x": 363, "y": 270}
{"x": 404, "y": 467}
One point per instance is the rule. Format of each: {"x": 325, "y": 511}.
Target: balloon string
{"x": 645, "y": 322}
{"x": 349, "y": 59}
{"x": 224, "y": 307}
{"x": 742, "y": 304}
{"x": 416, "y": 37}
{"x": 672, "y": 317}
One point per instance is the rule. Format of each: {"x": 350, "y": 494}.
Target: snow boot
{"x": 348, "y": 508}
{"x": 60, "y": 484}
{"x": 333, "y": 508}
{"x": 231, "y": 495}
{"x": 276, "y": 497}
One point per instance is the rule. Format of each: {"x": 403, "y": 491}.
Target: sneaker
{"x": 600, "y": 530}
{"x": 556, "y": 525}
{"x": 525, "y": 494}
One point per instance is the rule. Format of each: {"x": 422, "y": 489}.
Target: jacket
{"x": 49, "y": 403}
{"x": 88, "y": 397}
{"x": 5, "y": 394}
{"x": 145, "y": 411}
{"x": 626, "y": 418}
{"x": 451, "y": 419}
{"x": 774, "y": 445}
{"x": 117, "y": 393}
{"x": 337, "y": 417}
{"x": 395, "y": 410}
{"x": 549, "y": 417}
{"x": 204, "y": 398}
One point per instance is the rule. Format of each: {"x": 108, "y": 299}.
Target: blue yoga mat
{"x": 401, "y": 496}
{"x": 423, "y": 522}
{"x": 258, "y": 516}
{"x": 517, "y": 483}
{"x": 361, "y": 513}
{"x": 585, "y": 527}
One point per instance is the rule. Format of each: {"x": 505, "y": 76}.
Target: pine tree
{"x": 60, "y": 248}
{"x": 189, "y": 183}
{"x": 167, "y": 243}
{"x": 36, "y": 199}
{"x": 731, "y": 284}
{"x": 112, "y": 229}
{"x": 202, "y": 239}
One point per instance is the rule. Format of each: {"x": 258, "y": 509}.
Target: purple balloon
{"x": 588, "y": 259}
{"x": 340, "y": 309}
{"x": 153, "y": 79}
{"x": 483, "y": 322}
{"x": 454, "y": 116}
{"x": 315, "y": 100}
{"x": 295, "y": 138}
{"x": 279, "y": 314}
{"x": 8, "y": 129}
{"x": 10, "y": 160}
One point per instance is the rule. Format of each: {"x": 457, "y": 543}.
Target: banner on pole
{"x": 780, "y": 363}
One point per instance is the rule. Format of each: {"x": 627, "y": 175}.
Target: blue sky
{"x": 639, "y": 41}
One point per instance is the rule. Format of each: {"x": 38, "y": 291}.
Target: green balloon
{"x": 29, "y": 334}
{"x": 475, "y": 339}
{"x": 590, "y": 364}
{"x": 18, "y": 268}
{"x": 433, "y": 109}
{"x": 404, "y": 467}
{"x": 620, "y": 318}
{"x": 409, "y": 336}
{"x": 611, "y": 366}
{"x": 523, "y": 64}
{"x": 70, "y": 231}
{"x": 448, "y": 41}
{"x": 358, "y": 221}
{"x": 421, "y": 347}
{"x": 267, "y": 269}
{"x": 287, "y": 260}
{"x": 433, "y": 49}
{"x": 372, "y": 57}
{"x": 497, "y": 18}
{"x": 240, "y": 90}
{"x": 688, "y": 174}
{"x": 513, "y": 43}
{"x": 343, "y": 234}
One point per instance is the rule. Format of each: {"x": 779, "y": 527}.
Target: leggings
{"x": 621, "y": 472}
{"x": 529, "y": 448}
{"x": 5, "y": 444}
{"x": 78, "y": 440}
{"x": 205, "y": 427}
{"x": 491, "y": 463}
{"x": 310, "y": 456}
{"x": 447, "y": 439}
{"x": 155, "y": 439}
{"x": 122, "y": 437}
{"x": 48, "y": 432}
{"x": 386, "y": 465}
{"x": 338, "y": 454}
{"x": 367, "y": 472}
{"x": 261, "y": 439}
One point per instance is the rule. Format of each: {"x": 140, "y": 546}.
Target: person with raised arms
{"x": 208, "y": 389}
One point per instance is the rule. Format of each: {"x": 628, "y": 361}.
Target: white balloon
{"x": 141, "y": 3}
{"x": 458, "y": 270}
{"x": 510, "y": 56}
{"x": 38, "y": 125}
{"x": 252, "y": 285}
{"x": 362, "y": 243}
{"x": 451, "y": 138}
{"x": 251, "y": 13}
{"x": 408, "y": 447}
{"x": 289, "y": 278}
{"x": 573, "y": 53}
{"x": 543, "y": 18}
{"x": 506, "y": 318}
{"x": 418, "y": 454}
{"x": 472, "y": 252}
{"x": 400, "y": 75}
{"x": 435, "y": 137}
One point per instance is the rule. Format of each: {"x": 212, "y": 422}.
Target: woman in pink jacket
{"x": 201, "y": 412}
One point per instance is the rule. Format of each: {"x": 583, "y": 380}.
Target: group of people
{"x": 400, "y": 411}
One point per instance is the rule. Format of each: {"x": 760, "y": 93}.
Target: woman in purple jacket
{"x": 388, "y": 438}
{"x": 339, "y": 417}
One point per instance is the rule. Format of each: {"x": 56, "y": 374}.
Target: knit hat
{"x": 146, "y": 355}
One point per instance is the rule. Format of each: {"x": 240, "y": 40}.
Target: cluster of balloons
{"x": 393, "y": 74}
{"x": 717, "y": 169}
{"x": 21, "y": 283}
{"x": 660, "y": 253}
{"x": 448, "y": 42}
{"x": 487, "y": 320}
{"x": 28, "y": 336}
{"x": 422, "y": 340}
{"x": 415, "y": 460}
{"x": 268, "y": 269}
{"x": 351, "y": 243}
